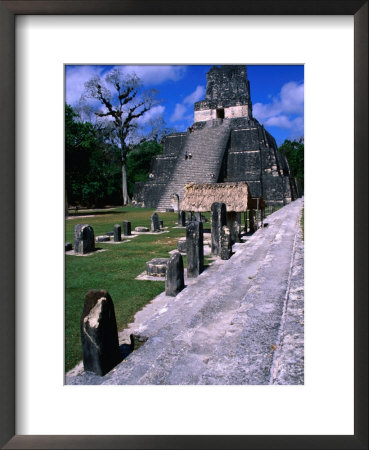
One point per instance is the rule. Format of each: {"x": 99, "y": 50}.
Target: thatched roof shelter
{"x": 200, "y": 197}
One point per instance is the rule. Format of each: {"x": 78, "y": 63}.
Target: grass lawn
{"x": 114, "y": 270}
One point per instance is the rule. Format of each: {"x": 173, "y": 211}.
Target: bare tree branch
{"x": 125, "y": 102}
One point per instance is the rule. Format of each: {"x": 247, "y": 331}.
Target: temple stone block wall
{"x": 224, "y": 144}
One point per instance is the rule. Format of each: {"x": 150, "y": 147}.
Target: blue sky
{"x": 277, "y": 93}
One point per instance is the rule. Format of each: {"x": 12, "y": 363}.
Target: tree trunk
{"x": 126, "y": 198}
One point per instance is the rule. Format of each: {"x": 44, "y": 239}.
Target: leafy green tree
{"x": 91, "y": 165}
{"x": 294, "y": 152}
{"x": 139, "y": 162}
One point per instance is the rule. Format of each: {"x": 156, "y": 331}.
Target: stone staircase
{"x": 207, "y": 146}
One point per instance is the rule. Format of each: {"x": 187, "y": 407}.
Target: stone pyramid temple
{"x": 224, "y": 144}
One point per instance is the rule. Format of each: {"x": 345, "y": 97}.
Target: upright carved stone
{"x": 117, "y": 233}
{"x": 258, "y": 219}
{"x": 174, "y": 281}
{"x": 235, "y": 230}
{"x": 194, "y": 249}
{"x": 155, "y": 223}
{"x": 181, "y": 245}
{"x": 252, "y": 221}
{"x": 126, "y": 228}
{"x": 99, "y": 335}
{"x": 84, "y": 239}
{"x": 226, "y": 244}
{"x": 182, "y": 219}
{"x": 218, "y": 219}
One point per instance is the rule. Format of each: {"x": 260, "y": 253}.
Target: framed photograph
{"x": 38, "y": 40}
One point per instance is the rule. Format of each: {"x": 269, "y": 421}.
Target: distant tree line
{"x": 93, "y": 168}
{"x": 93, "y": 164}
{"x": 294, "y": 152}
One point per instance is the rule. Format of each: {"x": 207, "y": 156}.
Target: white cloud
{"x": 75, "y": 81}
{"x": 179, "y": 112}
{"x": 292, "y": 98}
{"x": 282, "y": 110}
{"x": 289, "y": 101}
{"x": 182, "y": 110}
{"x": 77, "y": 76}
{"x": 156, "y": 74}
{"x": 278, "y": 121}
{"x": 196, "y": 95}
{"x": 154, "y": 113}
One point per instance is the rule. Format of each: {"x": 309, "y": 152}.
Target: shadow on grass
{"x": 94, "y": 213}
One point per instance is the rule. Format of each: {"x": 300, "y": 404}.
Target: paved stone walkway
{"x": 241, "y": 322}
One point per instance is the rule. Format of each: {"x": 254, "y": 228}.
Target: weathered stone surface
{"x": 194, "y": 249}
{"x": 102, "y": 238}
{"x": 235, "y": 230}
{"x": 142, "y": 229}
{"x": 226, "y": 243}
{"x": 174, "y": 281}
{"x": 109, "y": 233}
{"x": 155, "y": 223}
{"x": 218, "y": 220}
{"x": 252, "y": 221}
{"x": 233, "y": 223}
{"x": 258, "y": 218}
{"x": 181, "y": 245}
{"x": 68, "y": 246}
{"x": 126, "y": 228}
{"x": 117, "y": 233}
{"x": 99, "y": 335}
{"x": 84, "y": 239}
{"x": 157, "y": 267}
{"x": 182, "y": 219}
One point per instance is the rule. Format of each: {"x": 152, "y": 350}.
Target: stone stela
{"x": 194, "y": 249}
{"x": 226, "y": 244}
{"x": 99, "y": 335}
{"x": 155, "y": 222}
{"x": 127, "y": 228}
{"x": 117, "y": 233}
{"x": 218, "y": 220}
{"x": 84, "y": 239}
{"x": 174, "y": 281}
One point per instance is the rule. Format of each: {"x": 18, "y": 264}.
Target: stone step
{"x": 207, "y": 146}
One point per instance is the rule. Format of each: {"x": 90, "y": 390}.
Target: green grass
{"x": 114, "y": 270}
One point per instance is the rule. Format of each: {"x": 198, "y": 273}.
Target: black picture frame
{"x": 8, "y": 10}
